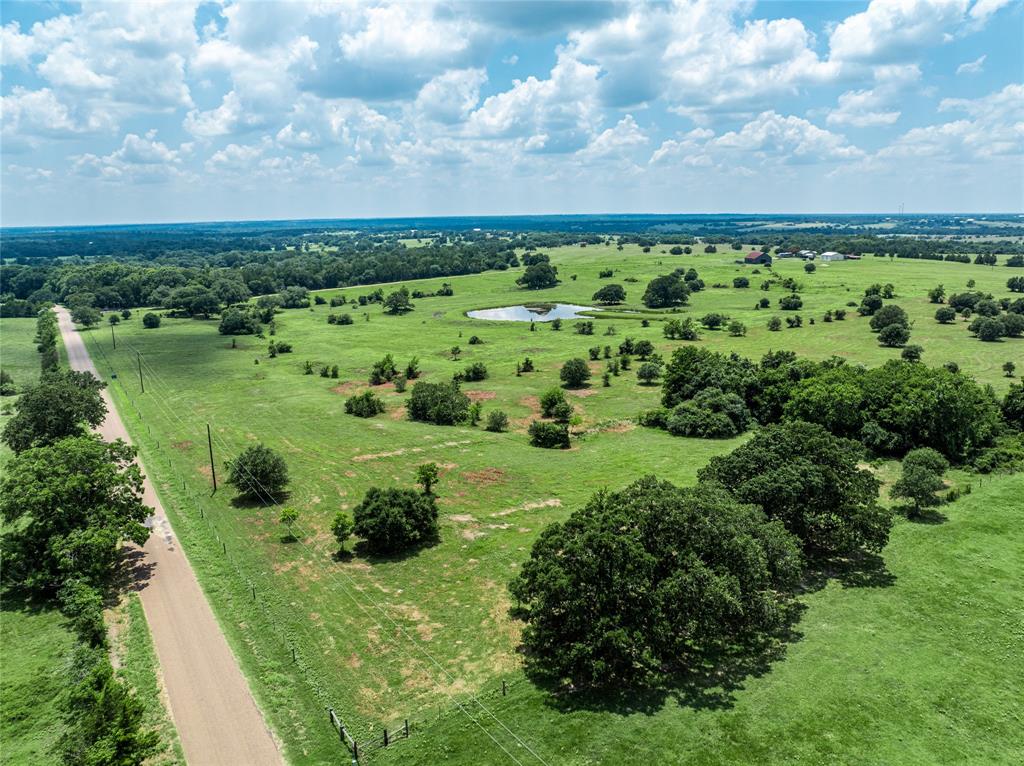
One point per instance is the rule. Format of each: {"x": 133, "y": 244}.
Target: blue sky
{"x": 176, "y": 111}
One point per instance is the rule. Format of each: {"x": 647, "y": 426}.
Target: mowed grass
{"x": 385, "y": 640}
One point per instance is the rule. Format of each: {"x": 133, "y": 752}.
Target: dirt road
{"x": 212, "y": 707}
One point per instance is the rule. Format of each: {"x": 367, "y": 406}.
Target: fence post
{"x": 406, "y": 728}
{"x": 503, "y": 687}
{"x": 385, "y": 736}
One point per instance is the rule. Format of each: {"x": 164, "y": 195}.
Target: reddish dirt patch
{"x": 583, "y": 393}
{"x": 485, "y": 477}
{"x": 479, "y": 396}
{"x": 348, "y": 387}
{"x": 397, "y": 414}
{"x": 183, "y": 445}
{"x": 532, "y": 402}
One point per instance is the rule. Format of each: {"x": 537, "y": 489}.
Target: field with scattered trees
{"x": 730, "y": 514}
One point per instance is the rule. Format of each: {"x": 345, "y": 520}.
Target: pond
{"x": 539, "y": 312}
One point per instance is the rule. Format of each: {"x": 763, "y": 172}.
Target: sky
{"x": 183, "y": 111}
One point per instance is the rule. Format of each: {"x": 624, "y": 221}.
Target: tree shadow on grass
{"x": 710, "y": 681}
{"x": 363, "y": 550}
{"x": 859, "y": 570}
{"x": 248, "y": 502}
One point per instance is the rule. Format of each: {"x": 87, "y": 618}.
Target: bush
{"x": 549, "y": 400}
{"x": 774, "y": 324}
{"x": 648, "y": 372}
{"x": 737, "y": 328}
{"x": 945, "y": 315}
{"x": 383, "y": 371}
{"x": 549, "y": 435}
{"x": 714, "y": 320}
{"x": 497, "y": 421}
{"x": 575, "y": 373}
{"x": 440, "y": 403}
{"x": 711, "y": 414}
{"x": 810, "y": 480}
{"x": 476, "y": 371}
{"x": 740, "y": 282}
{"x": 790, "y": 302}
{"x": 988, "y": 329}
{"x": 364, "y": 405}
{"x": 393, "y": 520}
{"x": 894, "y": 335}
{"x": 150, "y": 320}
{"x": 649, "y": 581}
{"x": 258, "y": 473}
{"x": 342, "y": 528}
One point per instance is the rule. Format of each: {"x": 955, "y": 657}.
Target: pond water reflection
{"x": 540, "y": 312}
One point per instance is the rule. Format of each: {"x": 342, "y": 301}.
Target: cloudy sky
{"x": 176, "y": 111}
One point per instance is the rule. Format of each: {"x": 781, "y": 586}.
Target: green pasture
{"x": 913, "y": 667}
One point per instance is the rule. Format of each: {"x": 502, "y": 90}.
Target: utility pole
{"x": 141, "y": 382}
{"x": 213, "y": 470}
{"x": 112, "y": 338}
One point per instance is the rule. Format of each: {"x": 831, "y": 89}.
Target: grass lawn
{"x": 410, "y": 638}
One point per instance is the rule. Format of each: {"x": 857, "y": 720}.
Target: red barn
{"x": 757, "y": 257}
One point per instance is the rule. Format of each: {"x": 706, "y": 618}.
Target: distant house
{"x": 757, "y": 257}
{"x": 807, "y": 255}
{"x": 832, "y": 255}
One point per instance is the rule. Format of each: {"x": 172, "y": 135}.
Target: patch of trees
{"x": 235, "y": 321}
{"x": 64, "y": 403}
{"x": 890, "y": 409}
{"x": 398, "y": 302}
{"x": 442, "y": 404}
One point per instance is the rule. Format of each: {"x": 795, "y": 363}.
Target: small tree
{"x": 921, "y": 479}
{"x": 610, "y": 294}
{"x": 398, "y": 302}
{"x": 549, "y": 435}
{"x": 945, "y": 315}
{"x": 114, "y": 319}
{"x": 150, "y": 320}
{"x": 737, "y": 328}
{"x": 341, "y": 528}
{"x": 288, "y": 517}
{"x": 258, "y": 473}
{"x": 648, "y": 372}
{"x": 393, "y": 520}
{"x": 497, "y": 421}
{"x": 364, "y": 405}
{"x": 575, "y": 373}
{"x": 912, "y": 353}
{"x": 1009, "y": 368}
{"x": 426, "y": 476}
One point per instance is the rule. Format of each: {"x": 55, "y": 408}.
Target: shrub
{"x": 474, "y": 372}
{"x": 475, "y": 340}
{"x": 790, "y": 302}
{"x": 364, "y": 405}
{"x": 894, "y": 335}
{"x": 648, "y": 372}
{"x": 258, "y": 473}
{"x": 575, "y": 373}
{"x": 774, "y": 324}
{"x": 584, "y": 328}
{"x": 549, "y": 435}
{"x": 497, "y": 421}
{"x": 393, "y": 520}
{"x": 714, "y": 320}
{"x": 737, "y": 328}
{"x": 740, "y": 282}
{"x": 383, "y": 371}
{"x": 150, "y": 320}
{"x": 912, "y": 353}
{"x": 649, "y": 581}
{"x": 549, "y": 400}
{"x": 345, "y": 319}
{"x": 945, "y": 315}
{"x": 439, "y": 403}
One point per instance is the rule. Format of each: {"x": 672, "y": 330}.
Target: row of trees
{"x": 70, "y": 502}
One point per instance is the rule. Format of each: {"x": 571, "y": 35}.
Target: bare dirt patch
{"x": 485, "y": 477}
{"x": 583, "y": 393}
{"x": 461, "y": 518}
{"x": 552, "y": 502}
{"x": 480, "y": 396}
{"x": 348, "y": 387}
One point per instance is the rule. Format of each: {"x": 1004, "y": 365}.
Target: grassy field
{"x": 427, "y": 637}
